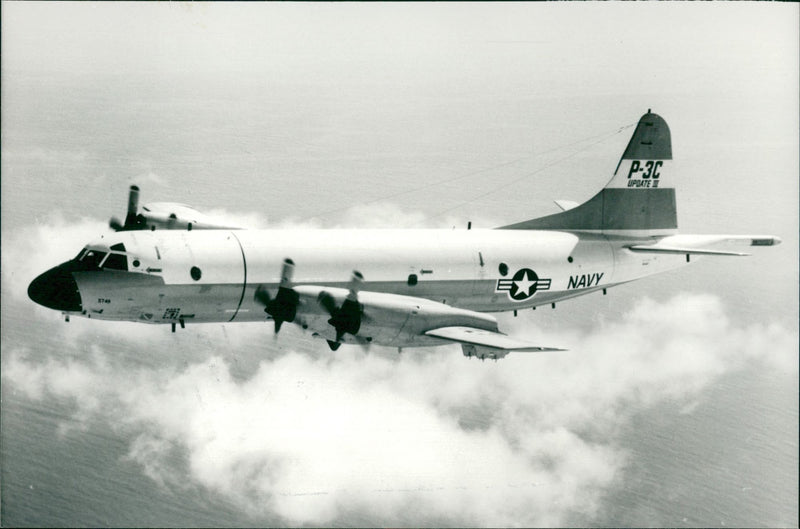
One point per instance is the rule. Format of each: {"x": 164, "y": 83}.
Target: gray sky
{"x": 650, "y": 49}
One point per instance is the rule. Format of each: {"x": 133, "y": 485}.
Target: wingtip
{"x": 772, "y": 240}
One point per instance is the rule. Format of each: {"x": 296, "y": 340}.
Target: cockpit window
{"x": 92, "y": 258}
{"x": 116, "y": 261}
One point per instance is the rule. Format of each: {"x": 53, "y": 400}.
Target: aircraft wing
{"x": 164, "y": 216}
{"x": 696, "y": 244}
{"x": 485, "y": 344}
{"x": 351, "y": 315}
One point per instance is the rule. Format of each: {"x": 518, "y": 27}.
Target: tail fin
{"x": 638, "y": 200}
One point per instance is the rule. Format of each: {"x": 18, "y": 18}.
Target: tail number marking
{"x": 171, "y": 314}
{"x": 650, "y": 169}
{"x": 585, "y": 280}
{"x": 650, "y": 173}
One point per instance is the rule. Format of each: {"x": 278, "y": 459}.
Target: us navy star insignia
{"x": 522, "y": 285}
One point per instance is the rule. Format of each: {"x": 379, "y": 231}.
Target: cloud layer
{"x": 399, "y": 439}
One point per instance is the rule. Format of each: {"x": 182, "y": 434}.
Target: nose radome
{"x": 56, "y": 289}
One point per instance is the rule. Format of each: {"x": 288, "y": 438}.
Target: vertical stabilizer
{"x": 640, "y": 197}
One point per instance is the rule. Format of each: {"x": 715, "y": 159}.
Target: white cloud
{"x": 251, "y": 220}
{"x": 313, "y": 438}
{"x": 381, "y": 215}
{"x": 151, "y": 178}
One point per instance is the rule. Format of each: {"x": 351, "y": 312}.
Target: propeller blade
{"x": 115, "y": 224}
{"x": 133, "y": 201}
{"x": 347, "y": 318}
{"x": 286, "y": 273}
{"x": 132, "y": 220}
{"x": 284, "y": 306}
{"x": 327, "y": 302}
{"x": 262, "y": 296}
{"x": 356, "y": 281}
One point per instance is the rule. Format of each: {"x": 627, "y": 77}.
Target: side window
{"x": 117, "y": 261}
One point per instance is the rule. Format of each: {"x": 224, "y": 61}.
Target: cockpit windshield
{"x": 93, "y": 258}
{"x": 115, "y": 260}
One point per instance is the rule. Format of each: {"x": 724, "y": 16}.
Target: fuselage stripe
{"x": 244, "y": 280}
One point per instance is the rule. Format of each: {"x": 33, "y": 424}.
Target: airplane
{"x": 168, "y": 264}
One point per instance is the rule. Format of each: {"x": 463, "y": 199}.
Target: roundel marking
{"x": 522, "y": 285}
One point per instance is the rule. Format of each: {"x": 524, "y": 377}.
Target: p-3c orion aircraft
{"x": 391, "y": 287}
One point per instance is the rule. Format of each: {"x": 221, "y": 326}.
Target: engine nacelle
{"x": 386, "y": 319}
{"x": 175, "y": 216}
{"x": 163, "y": 216}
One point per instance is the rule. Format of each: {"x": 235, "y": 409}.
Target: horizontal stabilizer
{"x": 480, "y": 338}
{"x": 674, "y": 249}
{"x": 696, "y": 244}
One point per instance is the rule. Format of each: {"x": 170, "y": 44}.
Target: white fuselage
{"x": 212, "y": 275}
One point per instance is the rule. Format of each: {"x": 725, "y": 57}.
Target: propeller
{"x": 133, "y": 221}
{"x": 284, "y": 306}
{"x": 115, "y": 224}
{"x": 347, "y": 318}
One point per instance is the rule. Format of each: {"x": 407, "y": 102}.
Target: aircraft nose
{"x": 56, "y": 289}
